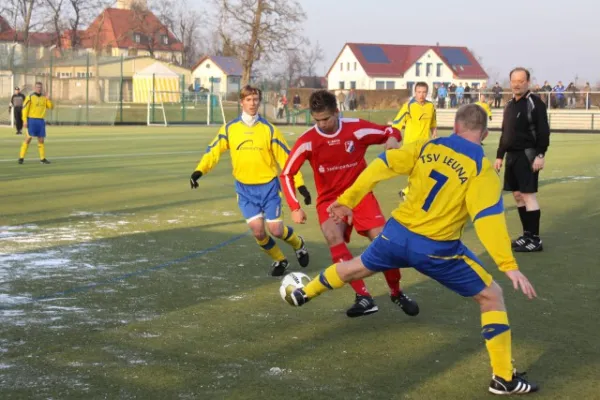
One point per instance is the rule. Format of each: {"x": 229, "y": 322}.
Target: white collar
{"x": 248, "y": 119}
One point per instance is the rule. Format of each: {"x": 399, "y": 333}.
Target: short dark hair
{"x": 39, "y": 83}
{"x": 520, "y": 69}
{"x": 472, "y": 117}
{"x": 422, "y": 84}
{"x": 322, "y": 100}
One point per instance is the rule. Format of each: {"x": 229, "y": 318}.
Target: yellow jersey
{"x": 35, "y": 106}
{"x": 486, "y": 108}
{"x": 415, "y": 120}
{"x": 450, "y": 180}
{"x": 258, "y": 152}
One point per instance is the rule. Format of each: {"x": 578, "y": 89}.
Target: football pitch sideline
{"x": 118, "y": 281}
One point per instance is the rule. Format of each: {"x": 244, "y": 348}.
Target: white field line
{"x": 170, "y": 153}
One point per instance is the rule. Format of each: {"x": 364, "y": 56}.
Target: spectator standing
{"x": 497, "y": 90}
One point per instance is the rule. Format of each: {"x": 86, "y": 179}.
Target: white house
{"x": 226, "y": 74}
{"x": 389, "y": 66}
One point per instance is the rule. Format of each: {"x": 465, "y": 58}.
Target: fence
{"x": 583, "y": 100}
{"x": 88, "y": 89}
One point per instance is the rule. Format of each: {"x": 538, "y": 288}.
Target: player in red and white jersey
{"x": 335, "y": 148}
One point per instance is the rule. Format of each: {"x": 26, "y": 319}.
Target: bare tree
{"x": 55, "y": 18}
{"x": 186, "y": 25}
{"x": 311, "y": 56}
{"x": 259, "y": 29}
{"x": 294, "y": 66}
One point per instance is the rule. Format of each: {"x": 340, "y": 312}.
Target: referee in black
{"x": 16, "y": 102}
{"x": 525, "y": 139}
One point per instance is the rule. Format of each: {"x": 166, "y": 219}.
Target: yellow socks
{"x": 496, "y": 332}
{"x": 42, "y": 151}
{"x": 327, "y": 280}
{"x": 290, "y": 237}
{"x": 23, "y": 151}
{"x": 270, "y": 247}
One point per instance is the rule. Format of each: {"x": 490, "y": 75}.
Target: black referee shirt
{"x": 517, "y": 128}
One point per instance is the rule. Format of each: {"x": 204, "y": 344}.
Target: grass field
{"x": 118, "y": 281}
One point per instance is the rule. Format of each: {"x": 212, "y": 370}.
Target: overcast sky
{"x": 557, "y": 40}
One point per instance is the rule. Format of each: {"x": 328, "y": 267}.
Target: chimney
{"x": 128, "y": 4}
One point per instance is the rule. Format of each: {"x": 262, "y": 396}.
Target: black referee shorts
{"x": 518, "y": 173}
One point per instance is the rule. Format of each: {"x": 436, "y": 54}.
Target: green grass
{"x": 117, "y": 201}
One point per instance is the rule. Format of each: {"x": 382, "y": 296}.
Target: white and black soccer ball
{"x": 291, "y": 282}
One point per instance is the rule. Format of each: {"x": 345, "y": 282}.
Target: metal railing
{"x": 580, "y": 99}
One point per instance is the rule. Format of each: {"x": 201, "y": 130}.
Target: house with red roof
{"x": 130, "y": 29}
{"x": 370, "y": 66}
{"x": 12, "y": 44}
{"x": 221, "y": 74}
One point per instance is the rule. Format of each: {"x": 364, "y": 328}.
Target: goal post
{"x": 166, "y": 108}
{"x": 7, "y": 86}
{"x": 156, "y": 108}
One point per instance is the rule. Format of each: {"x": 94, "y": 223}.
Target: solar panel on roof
{"x": 374, "y": 54}
{"x": 455, "y": 56}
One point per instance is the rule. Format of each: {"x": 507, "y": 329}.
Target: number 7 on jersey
{"x": 440, "y": 180}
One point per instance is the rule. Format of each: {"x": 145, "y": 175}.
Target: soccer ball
{"x": 291, "y": 282}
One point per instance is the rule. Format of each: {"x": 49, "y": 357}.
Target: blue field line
{"x": 93, "y": 285}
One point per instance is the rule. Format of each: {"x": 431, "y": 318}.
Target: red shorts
{"x": 365, "y": 216}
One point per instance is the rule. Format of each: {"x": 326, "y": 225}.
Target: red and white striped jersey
{"x": 336, "y": 159}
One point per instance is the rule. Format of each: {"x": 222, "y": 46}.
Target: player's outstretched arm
{"x": 400, "y": 121}
{"x": 484, "y": 203}
{"x": 369, "y": 133}
{"x": 211, "y": 157}
{"x": 388, "y": 165}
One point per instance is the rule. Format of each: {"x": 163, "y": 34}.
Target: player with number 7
{"x": 450, "y": 181}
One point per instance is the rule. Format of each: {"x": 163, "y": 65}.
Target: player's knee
{"x": 332, "y": 235}
{"x": 276, "y": 230}
{"x": 491, "y": 298}
{"x": 258, "y": 230}
{"x": 518, "y": 197}
{"x": 529, "y": 199}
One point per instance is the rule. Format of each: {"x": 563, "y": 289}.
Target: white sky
{"x": 557, "y": 40}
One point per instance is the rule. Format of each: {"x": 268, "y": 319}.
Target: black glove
{"x": 194, "y": 179}
{"x": 304, "y": 192}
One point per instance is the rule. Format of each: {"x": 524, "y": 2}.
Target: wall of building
{"x": 347, "y": 69}
{"x": 206, "y": 70}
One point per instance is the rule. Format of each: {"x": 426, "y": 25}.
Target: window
{"x": 418, "y": 69}
{"x": 390, "y": 85}
{"x": 132, "y": 52}
{"x": 207, "y": 65}
{"x": 428, "y": 69}
{"x": 341, "y": 66}
{"x": 379, "y": 85}
{"x": 58, "y": 74}
{"x": 341, "y": 85}
{"x": 137, "y": 38}
{"x": 164, "y": 39}
{"x": 355, "y": 65}
{"x": 347, "y": 66}
{"x": 352, "y": 84}
{"x": 438, "y": 71}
